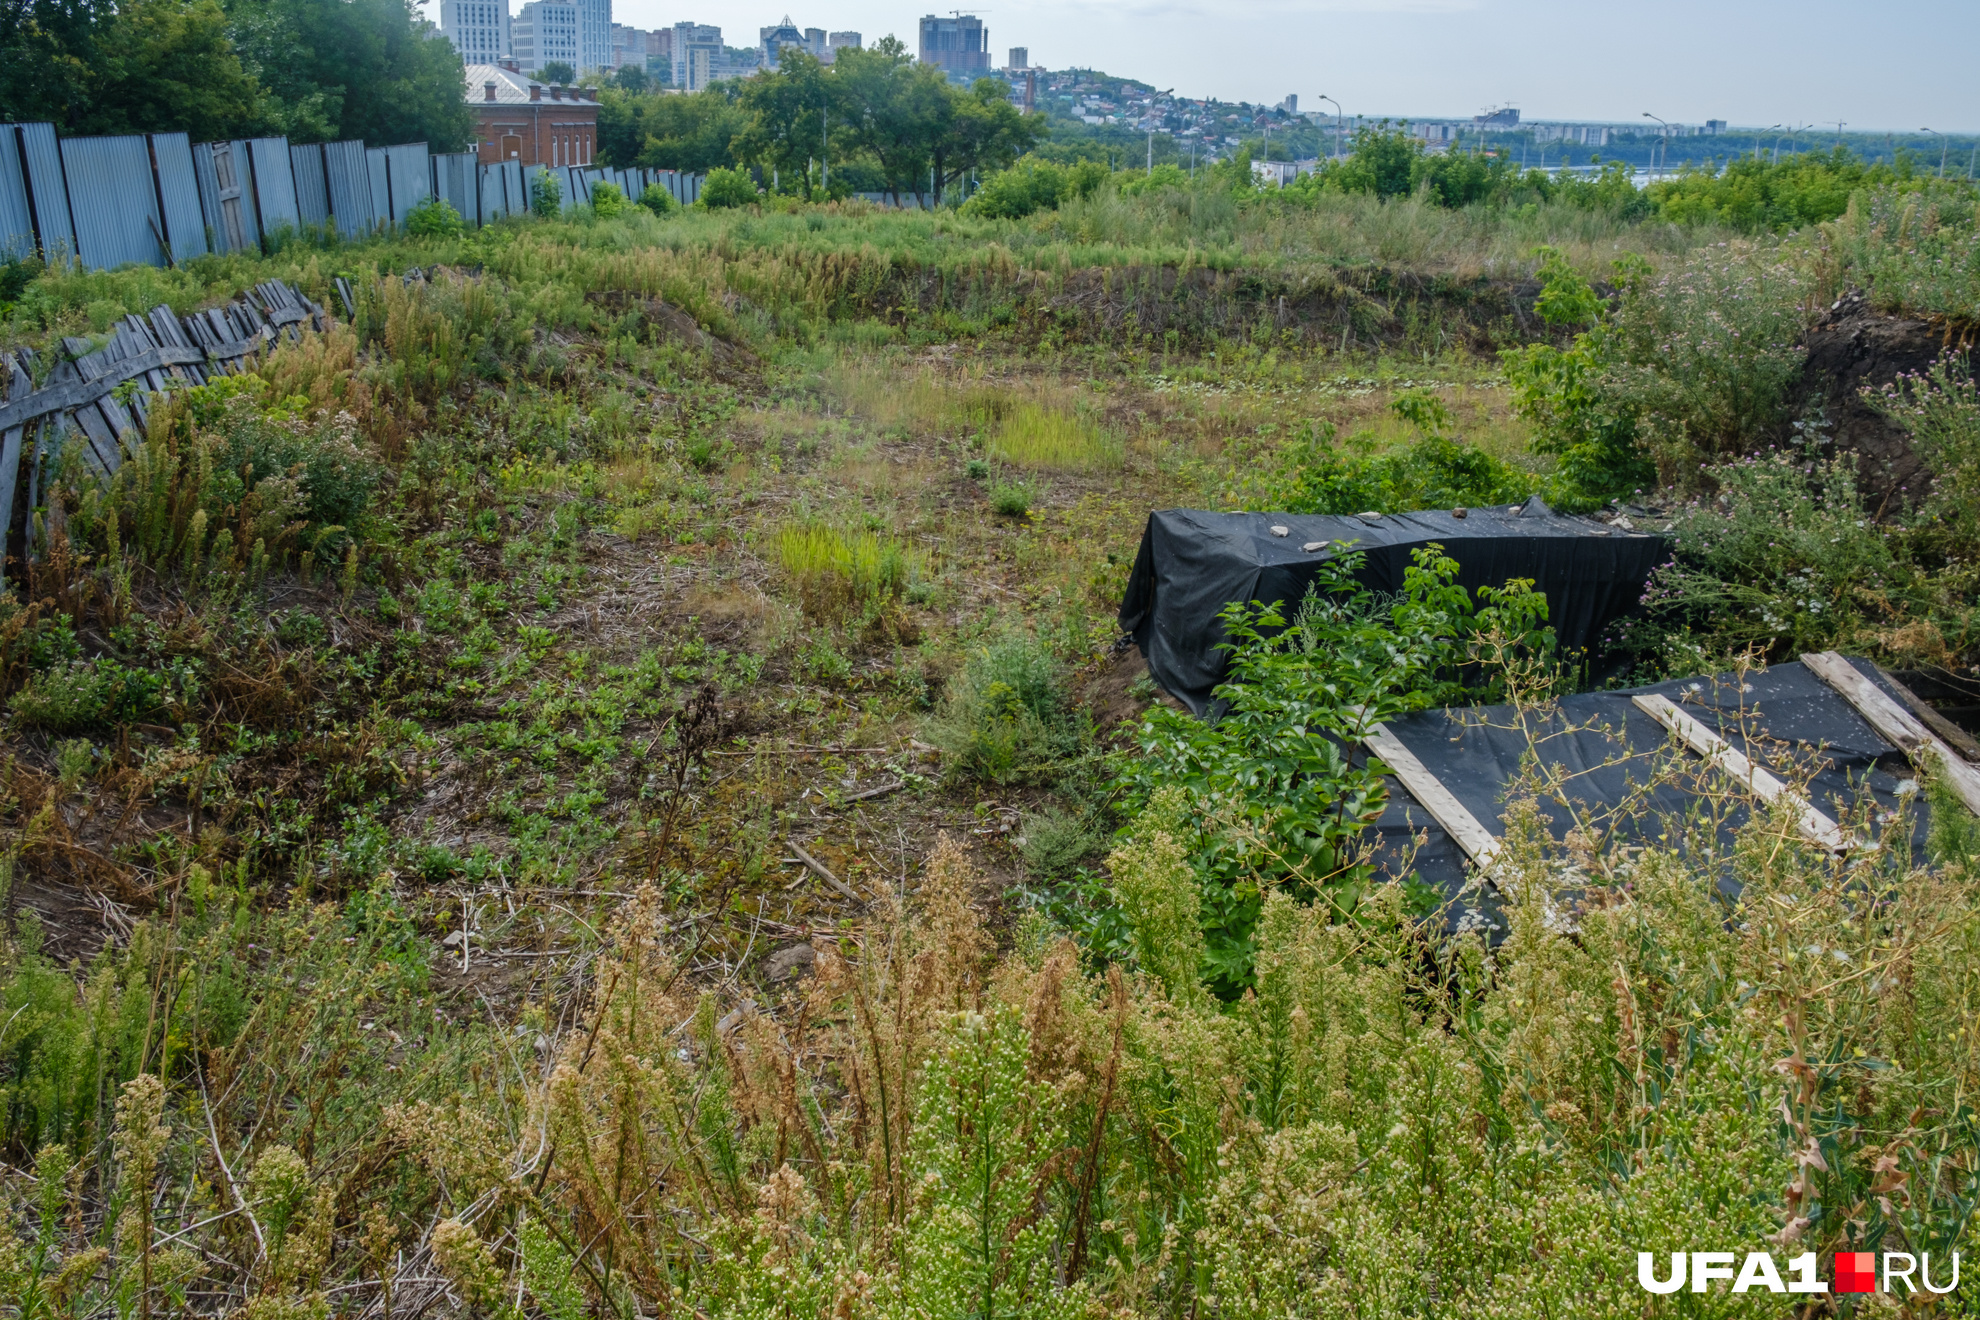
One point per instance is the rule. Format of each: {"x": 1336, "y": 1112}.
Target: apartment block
{"x": 958, "y": 45}
{"x": 479, "y": 29}
{"x": 545, "y": 32}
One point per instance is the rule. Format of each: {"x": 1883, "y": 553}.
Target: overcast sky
{"x": 1895, "y": 65}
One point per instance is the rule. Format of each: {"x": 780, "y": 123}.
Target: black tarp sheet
{"x": 1599, "y": 752}
{"x": 1192, "y": 564}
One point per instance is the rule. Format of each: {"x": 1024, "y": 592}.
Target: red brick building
{"x": 517, "y": 118}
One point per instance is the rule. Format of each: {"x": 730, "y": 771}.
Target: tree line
{"x": 310, "y": 70}
{"x": 874, "y": 120}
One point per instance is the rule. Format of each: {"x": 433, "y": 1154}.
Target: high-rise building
{"x": 479, "y": 29}
{"x": 838, "y": 41}
{"x": 774, "y": 38}
{"x": 959, "y": 45}
{"x": 629, "y": 46}
{"x": 696, "y": 51}
{"x": 814, "y": 41}
{"x": 1020, "y": 57}
{"x": 594, "y": 34}
{"x": 659, "y": 61}
{"x": 546, "y": 32}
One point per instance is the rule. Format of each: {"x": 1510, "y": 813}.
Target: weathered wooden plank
{"x": 74, "y": 391}
{"x": 1896, "y": 725}
{"x": 1728, "y": 759}
{"x": 19, "y": 385}
{"x": 1479, "y": 843}
{"x": 101, "y": 437}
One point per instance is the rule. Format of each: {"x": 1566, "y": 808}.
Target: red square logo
{"x": 1856, "y": 1271}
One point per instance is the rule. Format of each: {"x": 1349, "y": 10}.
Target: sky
{"x": 1898, "y": 65}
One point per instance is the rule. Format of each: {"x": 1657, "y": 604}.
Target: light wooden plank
{"x": 1896, "y": 725}
{"x": 1479, "y": 843}
{"x": 1719, "y": 753}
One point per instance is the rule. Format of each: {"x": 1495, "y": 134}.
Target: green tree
{"x": 556, "y": 71}
{"x": 983, "y": 131}
{"x": 164, "y": 65}
{"x": 632, "y": 78}
{"x": 370, "y": 69}
{"x": 893, "y": 106}
{"x": 148, "y": 66}
{"x": 727, "y": 188}
{"x": 661, "y": 132}
{"x": 1384, "y": 162}
{"x": 786, "y": 117}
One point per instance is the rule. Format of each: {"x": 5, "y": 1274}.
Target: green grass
{"x": 836, "y": 571}
{"x": 1054, "y": 441}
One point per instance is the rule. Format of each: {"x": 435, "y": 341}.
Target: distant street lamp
{"x": 1792, "y": 135}
{"x": 1756, "y": 139}
{"x": 1340, "y": 125}
{"x": 1943, "y": 145}
{"x": 1667, "y": 145}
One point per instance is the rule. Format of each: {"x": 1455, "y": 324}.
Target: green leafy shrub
{"x": 1013, "y": 498}
{"x": 1691, "y": 367}
{"x": 1055, "y": 842}
{"x": 1940, "y": 410}
{"x": 434, "y": 217}
{"x": 1005, "y": 718}
{"x": 1033, "y": 185}
{"x": 608, "y": 201}
{"x": 546, "y": 195}
{"x": 726, "y": 188}
{"x": 1315, "y": 473}
{"x": 1782, "y": 559}
{"x": 220, "y": 483}
{"x": 85, "y": 695}
{"x": 1757, "y": 195}
{"x": 1149, "y": 181}
{"x": 1277, "y": 793}
{"x": 658, "y": 200}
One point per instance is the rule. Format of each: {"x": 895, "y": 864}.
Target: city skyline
{"x": 1755, "y": 64}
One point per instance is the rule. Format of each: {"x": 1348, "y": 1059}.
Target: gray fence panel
{"x": 381, "y": 187}
{"x": 515, "y": 185}
{"x": 352, "y": 206}
{"x": 178, "y": 188}
{"x": 226, "y": 196}
{"x": 412, "y": 178}
{"x": 454, "y": 180}
{"x": 115, "y": 207}
{"x": 47, "y": 192}
{"x": 209, "y": 195}
{"x": 312, "y": 186}
{"x": 16, "y": 216}
{"x": 496, "y": 200}
{"x": 577, "y": 191}
{"x": 274, "y": 184}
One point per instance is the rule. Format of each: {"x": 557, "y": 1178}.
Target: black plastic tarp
{"x": 1192, "y": 564}
{"x": 1600, "y": 751}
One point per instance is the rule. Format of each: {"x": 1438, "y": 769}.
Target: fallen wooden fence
{"x": 85, "y": 397}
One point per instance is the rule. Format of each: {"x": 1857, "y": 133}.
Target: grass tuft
{"x": 1035, "y": 437}
{"x": 837, "y": 573}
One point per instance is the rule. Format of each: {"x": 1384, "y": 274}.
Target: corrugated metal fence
{"x": 155, "y": 199}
